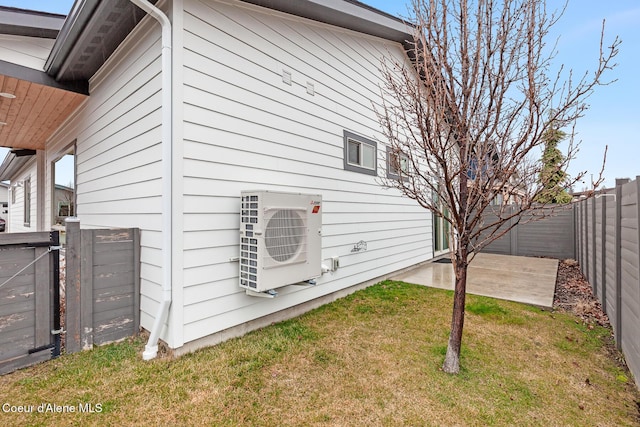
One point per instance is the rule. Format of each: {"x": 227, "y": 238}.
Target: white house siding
{"x": 245, "y": 129}
{"x": 118, "y": 135}
{"x": 31, "y": 52}
{"x": 15, "y": 223}
{"x": 4, "y": 198}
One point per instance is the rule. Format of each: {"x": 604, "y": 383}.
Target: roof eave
{"x": 11, "y": 165}
{"x": 71, "y": 29}
{"x": 349, "y": 14}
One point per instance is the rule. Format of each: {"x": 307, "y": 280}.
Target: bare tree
{"x": 466, "y": 123}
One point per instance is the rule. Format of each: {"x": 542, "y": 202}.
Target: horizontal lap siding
{"x": 16, "y": 210}
{"x": 245, "y": 129}
{"x": 118, "y": 155}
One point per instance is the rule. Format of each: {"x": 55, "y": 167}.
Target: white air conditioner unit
{"x": 280, "y": 239}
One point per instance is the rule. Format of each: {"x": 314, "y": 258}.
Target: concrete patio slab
{"x": 515, "y": 278}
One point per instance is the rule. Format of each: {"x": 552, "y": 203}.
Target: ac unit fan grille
{"x": 249, "y": 244}
{"x": 284, "y": 235}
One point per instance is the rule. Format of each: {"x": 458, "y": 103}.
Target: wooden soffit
{"x": 35, "y": 113}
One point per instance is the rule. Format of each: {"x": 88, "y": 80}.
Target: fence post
{"x": 513, "y": 234}
{"x": 585, "y": 227}
{"x": 42, "y": 296}
{"x": 594, "y": 264}
{"x": 55, "y": 261}
{"x": 618, "y": 258}
{"x": 603, "y": 253}
{"x": 633, "y": 327}
{"x": 578, "y": 220}
{"x": 73, "y": 296}
{"x": 136, "y": 275}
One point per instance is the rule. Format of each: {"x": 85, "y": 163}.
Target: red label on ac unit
{"x": 316, "y": 209}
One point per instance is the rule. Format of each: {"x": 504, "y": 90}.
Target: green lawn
{"x": 372, "y": 358}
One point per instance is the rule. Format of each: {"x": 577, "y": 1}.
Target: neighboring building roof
{"x": 63, "y": 187}
{"x": 23, "y": 22}
{"x": 11, "y": 165}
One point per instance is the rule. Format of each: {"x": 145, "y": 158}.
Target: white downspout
{"x": 151, "y": 349}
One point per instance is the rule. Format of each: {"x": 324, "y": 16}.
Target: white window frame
{"x": 26, "y": 191}
{"x": 363, "y": 142}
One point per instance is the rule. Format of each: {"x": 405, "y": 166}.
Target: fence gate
{"x": 29, "y": 299}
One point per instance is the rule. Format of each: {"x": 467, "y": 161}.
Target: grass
{"x": 372, "y": 358}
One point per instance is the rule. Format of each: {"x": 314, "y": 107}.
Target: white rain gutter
{"x": 151, "y": 349}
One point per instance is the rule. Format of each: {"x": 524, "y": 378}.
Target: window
{"x": 65, "y": 209}
{"x": 395, "y": 160}
{"x": 63, "y": 171}
{"x": 359, "y": 154}
{"x": 27, "y": 202}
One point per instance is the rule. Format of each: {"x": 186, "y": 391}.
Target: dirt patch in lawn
{"x": 574, "y": 295}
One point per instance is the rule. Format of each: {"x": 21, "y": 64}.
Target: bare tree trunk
{"x": 467, "y": 121}
{"x": 452, "y": 359}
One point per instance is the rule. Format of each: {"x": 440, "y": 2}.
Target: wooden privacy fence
{"x": 102, "y": 287}
{"x": 29, "y": 299}
{"x": 608, "y": 249}
{"x": 552, "y": 236}
{"x": 102, "y": 292}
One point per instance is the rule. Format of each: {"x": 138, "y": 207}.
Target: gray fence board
{"x": 113, "y": 290}
{"x": 21, "y": 305}
{"x": 551, "y": 236}
{"x": 609, "y": 254}
{"x": 44, "y": 316}
{"x": 20, "y": 338}
{"x": 19, "y": 320}
{"x": 34, "y": 237}
{"x": 111, "y": 305}
{"x": 86, "y": 300}
{"x": 21, "y": 285}
{"x": 592, "y": 246}
{"x": 608, "y": 248}
{"x": 106, "y": 283}
{"x": 599, "y": 241}
{"x": 585, "y": 236}
{"x": 113, "y": 280}
{"x": 108, "y": 270}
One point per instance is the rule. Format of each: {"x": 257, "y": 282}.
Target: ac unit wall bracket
{"x": 266, "y": 294}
